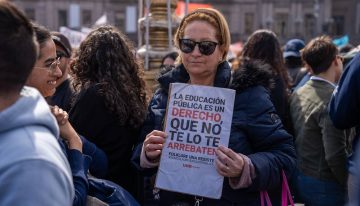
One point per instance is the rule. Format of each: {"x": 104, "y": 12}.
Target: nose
{"x": 196, "y": 51}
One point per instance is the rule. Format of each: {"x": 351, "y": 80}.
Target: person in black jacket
{"x": 259, "y": 147}
{"x": 110, "y": 105}
{"x": 64, "y": 91}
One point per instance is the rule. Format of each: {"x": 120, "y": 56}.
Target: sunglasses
{"x": 205, "y": 47}
{"x": 52, "y": 66}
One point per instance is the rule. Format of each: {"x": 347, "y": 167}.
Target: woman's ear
{"x": 222, "y": 52}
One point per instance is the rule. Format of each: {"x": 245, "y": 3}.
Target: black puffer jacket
{"x": 256, "y": 132}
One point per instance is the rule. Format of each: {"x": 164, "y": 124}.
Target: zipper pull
{"x": 197, "y": 201}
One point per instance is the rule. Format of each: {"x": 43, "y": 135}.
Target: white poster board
{"x": 75, "y": 37}
{"x": 198, "y": 120}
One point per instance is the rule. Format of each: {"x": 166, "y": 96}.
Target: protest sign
{"x": 198, "y": 120}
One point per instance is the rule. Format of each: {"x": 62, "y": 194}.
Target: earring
{"x": 220, "y": 61}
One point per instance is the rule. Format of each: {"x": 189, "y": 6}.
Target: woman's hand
{"x": 61, "y": 116}
{"x": 228, "y": 163}
{"x": 153, "y": 144}
{"x": 67, "y": 132}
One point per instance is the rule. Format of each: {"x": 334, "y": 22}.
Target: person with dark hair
{"x": 293, "y": 60}
{"x": 111, "y": 105}
{"x": 263, "y": 45}
{"x": 46, "y": 60}
{"x": 169, "y": 59}
{"x": 82, "y": 154}
{"x": 34, "y": 171}
{"x": 64, "y": 91}
{"x": 168, "y": 62}
{"x": 320, "y": 147}
{"x": 259, "y": 147}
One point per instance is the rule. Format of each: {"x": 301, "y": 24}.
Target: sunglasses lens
{"x": 207, "y": 47}
{"x": 187, "y": 45}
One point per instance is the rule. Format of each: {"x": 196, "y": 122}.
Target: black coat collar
{"x": 180, "y": 75}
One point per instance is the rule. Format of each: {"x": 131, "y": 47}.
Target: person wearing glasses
{"x": 321, "y": 148}
{"x": 64, "y": 90}
{"x": 46, "y": 71}
{"x": 168, "y": 62}
{"x": 34, "y": 171}
{"x": 81, "y": 153}
{"x": 259, "y": 147}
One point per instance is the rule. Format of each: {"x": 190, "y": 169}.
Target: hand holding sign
{"x": 153, "y": 144}
{"x": 198, "y": 120}
{"x": 228, "y": 163}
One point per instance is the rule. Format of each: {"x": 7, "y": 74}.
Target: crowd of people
{"x": 68, "y": 115}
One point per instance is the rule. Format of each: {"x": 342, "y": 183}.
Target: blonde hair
{"x": 214, "y": 18}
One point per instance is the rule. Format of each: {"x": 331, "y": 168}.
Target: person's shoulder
{"x": 93, "y": 90}
{"x": 90, "y": 96}
{"x": 31, "y": 153}
{"x": 252, "y": 73}
{"x": 253, "y": 97}
{"x": 29, "y": 143}
{"x": 31, "y": 173}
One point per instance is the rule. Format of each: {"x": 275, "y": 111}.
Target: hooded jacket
{"x": 33, "y": 168}
{"x": 256, "y": 132}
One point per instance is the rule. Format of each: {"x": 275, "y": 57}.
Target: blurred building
{"x": 288, "y": 18}
{"x": 77, "y": 14}
{"x": 292, "y": 18}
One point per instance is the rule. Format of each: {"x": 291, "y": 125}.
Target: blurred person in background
{"x": 168, "y": 62}
{"x": 64, "y": 91}
{"x": 293, "y": 61}
{"x": 264, "y": 45}
{"x": 321, "y": 148}
{"x": 169, "y": 59}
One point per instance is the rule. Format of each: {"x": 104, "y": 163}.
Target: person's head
{"x": 320, "y": 54}
{"x": 203, "y": 38}
{"x": 292, "y": 48}
{"x": 263, "y": 45}
{"x": 169, "y": 59}
{"x": 63, "y": 51}
{"x": 46, "y": 70}
{"x": 106, "y": 58}
{"x": 18, "y": 49}
{"x": 291, "y": 52}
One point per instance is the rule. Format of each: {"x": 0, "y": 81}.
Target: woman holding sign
{"x": 259, "y": 147}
